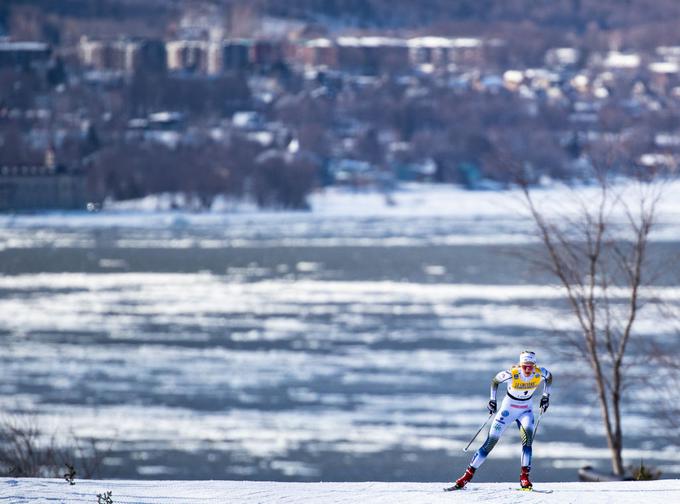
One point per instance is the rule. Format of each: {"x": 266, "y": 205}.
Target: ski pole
{"x": 477, "y": 433}
{"x": 540, "y": 415}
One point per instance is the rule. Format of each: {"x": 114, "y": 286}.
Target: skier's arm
{"x": 501, "y": 377}
{"x": 547, "y": 381}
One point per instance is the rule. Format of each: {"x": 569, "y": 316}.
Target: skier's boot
{"x": 465, "y": 478}
{"x": 524, "y": 479}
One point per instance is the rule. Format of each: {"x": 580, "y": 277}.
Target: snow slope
{"x": 18, "y": 491}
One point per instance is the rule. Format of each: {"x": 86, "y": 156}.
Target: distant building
{"x": 621, "y": 61}
{"x": 373, "y": 55}
{"x": 127, "y": 56}
{"x": 430, "y": 51}
{"x": 267, "y": 52}
{"x": 190, "y": 56}
{"x": 236, "y": 54}
{"x": 562, "y": 57}
{"x": 439, "y": 52}
{"x": 248, "y": 120}
{"x": 24, "y": 55}
{"x": 46, "y": 187}
{"x": 159, "y": 127}
{"x": 356, "y": 173}
{"x": 151, "y": 56}
{"x": 320, "y": 52}
{"x": 210, "y": 57}
{"x": 104, "y": 55}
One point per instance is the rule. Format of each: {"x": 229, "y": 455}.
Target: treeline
{"x": 579, "y": 23}
{"x": 568, "y": 14}
{"x": 118, "y": 9}
{"x": 272, "y": 179}
{"x": 585, "y": 24}
{"x": 65, "y": 21}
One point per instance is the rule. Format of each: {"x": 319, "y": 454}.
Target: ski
{"x": 532, "y": 490}
{"x": 454, "y": 488}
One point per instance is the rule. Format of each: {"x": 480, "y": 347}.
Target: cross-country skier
{"x": 522, "y": 381}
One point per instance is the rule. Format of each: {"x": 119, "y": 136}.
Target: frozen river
{"x": 199, "y": 351}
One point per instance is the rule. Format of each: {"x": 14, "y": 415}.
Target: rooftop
{"x": 24, "y": 46}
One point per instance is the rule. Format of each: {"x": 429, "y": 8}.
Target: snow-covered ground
{"x": 25, "y": 491}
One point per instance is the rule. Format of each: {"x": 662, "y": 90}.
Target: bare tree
{"x": 670, "y": 413}
{"x": 599, "y": 256}
{"x": 27, "y": 451}
{"x": 24, "y": 452}
{"x": 666, "y": 379}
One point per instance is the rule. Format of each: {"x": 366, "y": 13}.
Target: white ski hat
{"x": 527, "y": 357}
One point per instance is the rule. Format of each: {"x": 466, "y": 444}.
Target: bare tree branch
{"x": 590, "y": 255}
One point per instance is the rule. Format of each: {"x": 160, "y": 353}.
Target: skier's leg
{"x": 526, "y": 431}
{"x": 500, "y": 422}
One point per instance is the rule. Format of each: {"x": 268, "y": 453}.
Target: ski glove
{"x": 545, "y": 402}
{"x": 492, "y": 407}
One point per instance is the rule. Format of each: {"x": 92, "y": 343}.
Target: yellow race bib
{"x": 522, "y": 383}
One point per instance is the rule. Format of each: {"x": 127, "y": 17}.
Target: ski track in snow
{"x": 33, "y": 491}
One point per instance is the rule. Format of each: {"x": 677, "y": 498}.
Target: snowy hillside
{"x": 246, "y": 492}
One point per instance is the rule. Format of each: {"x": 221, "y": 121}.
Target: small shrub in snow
{"x": 644, "y": 473}
{"x": 70, "y": 475}
{"x": 105, "y": 498}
